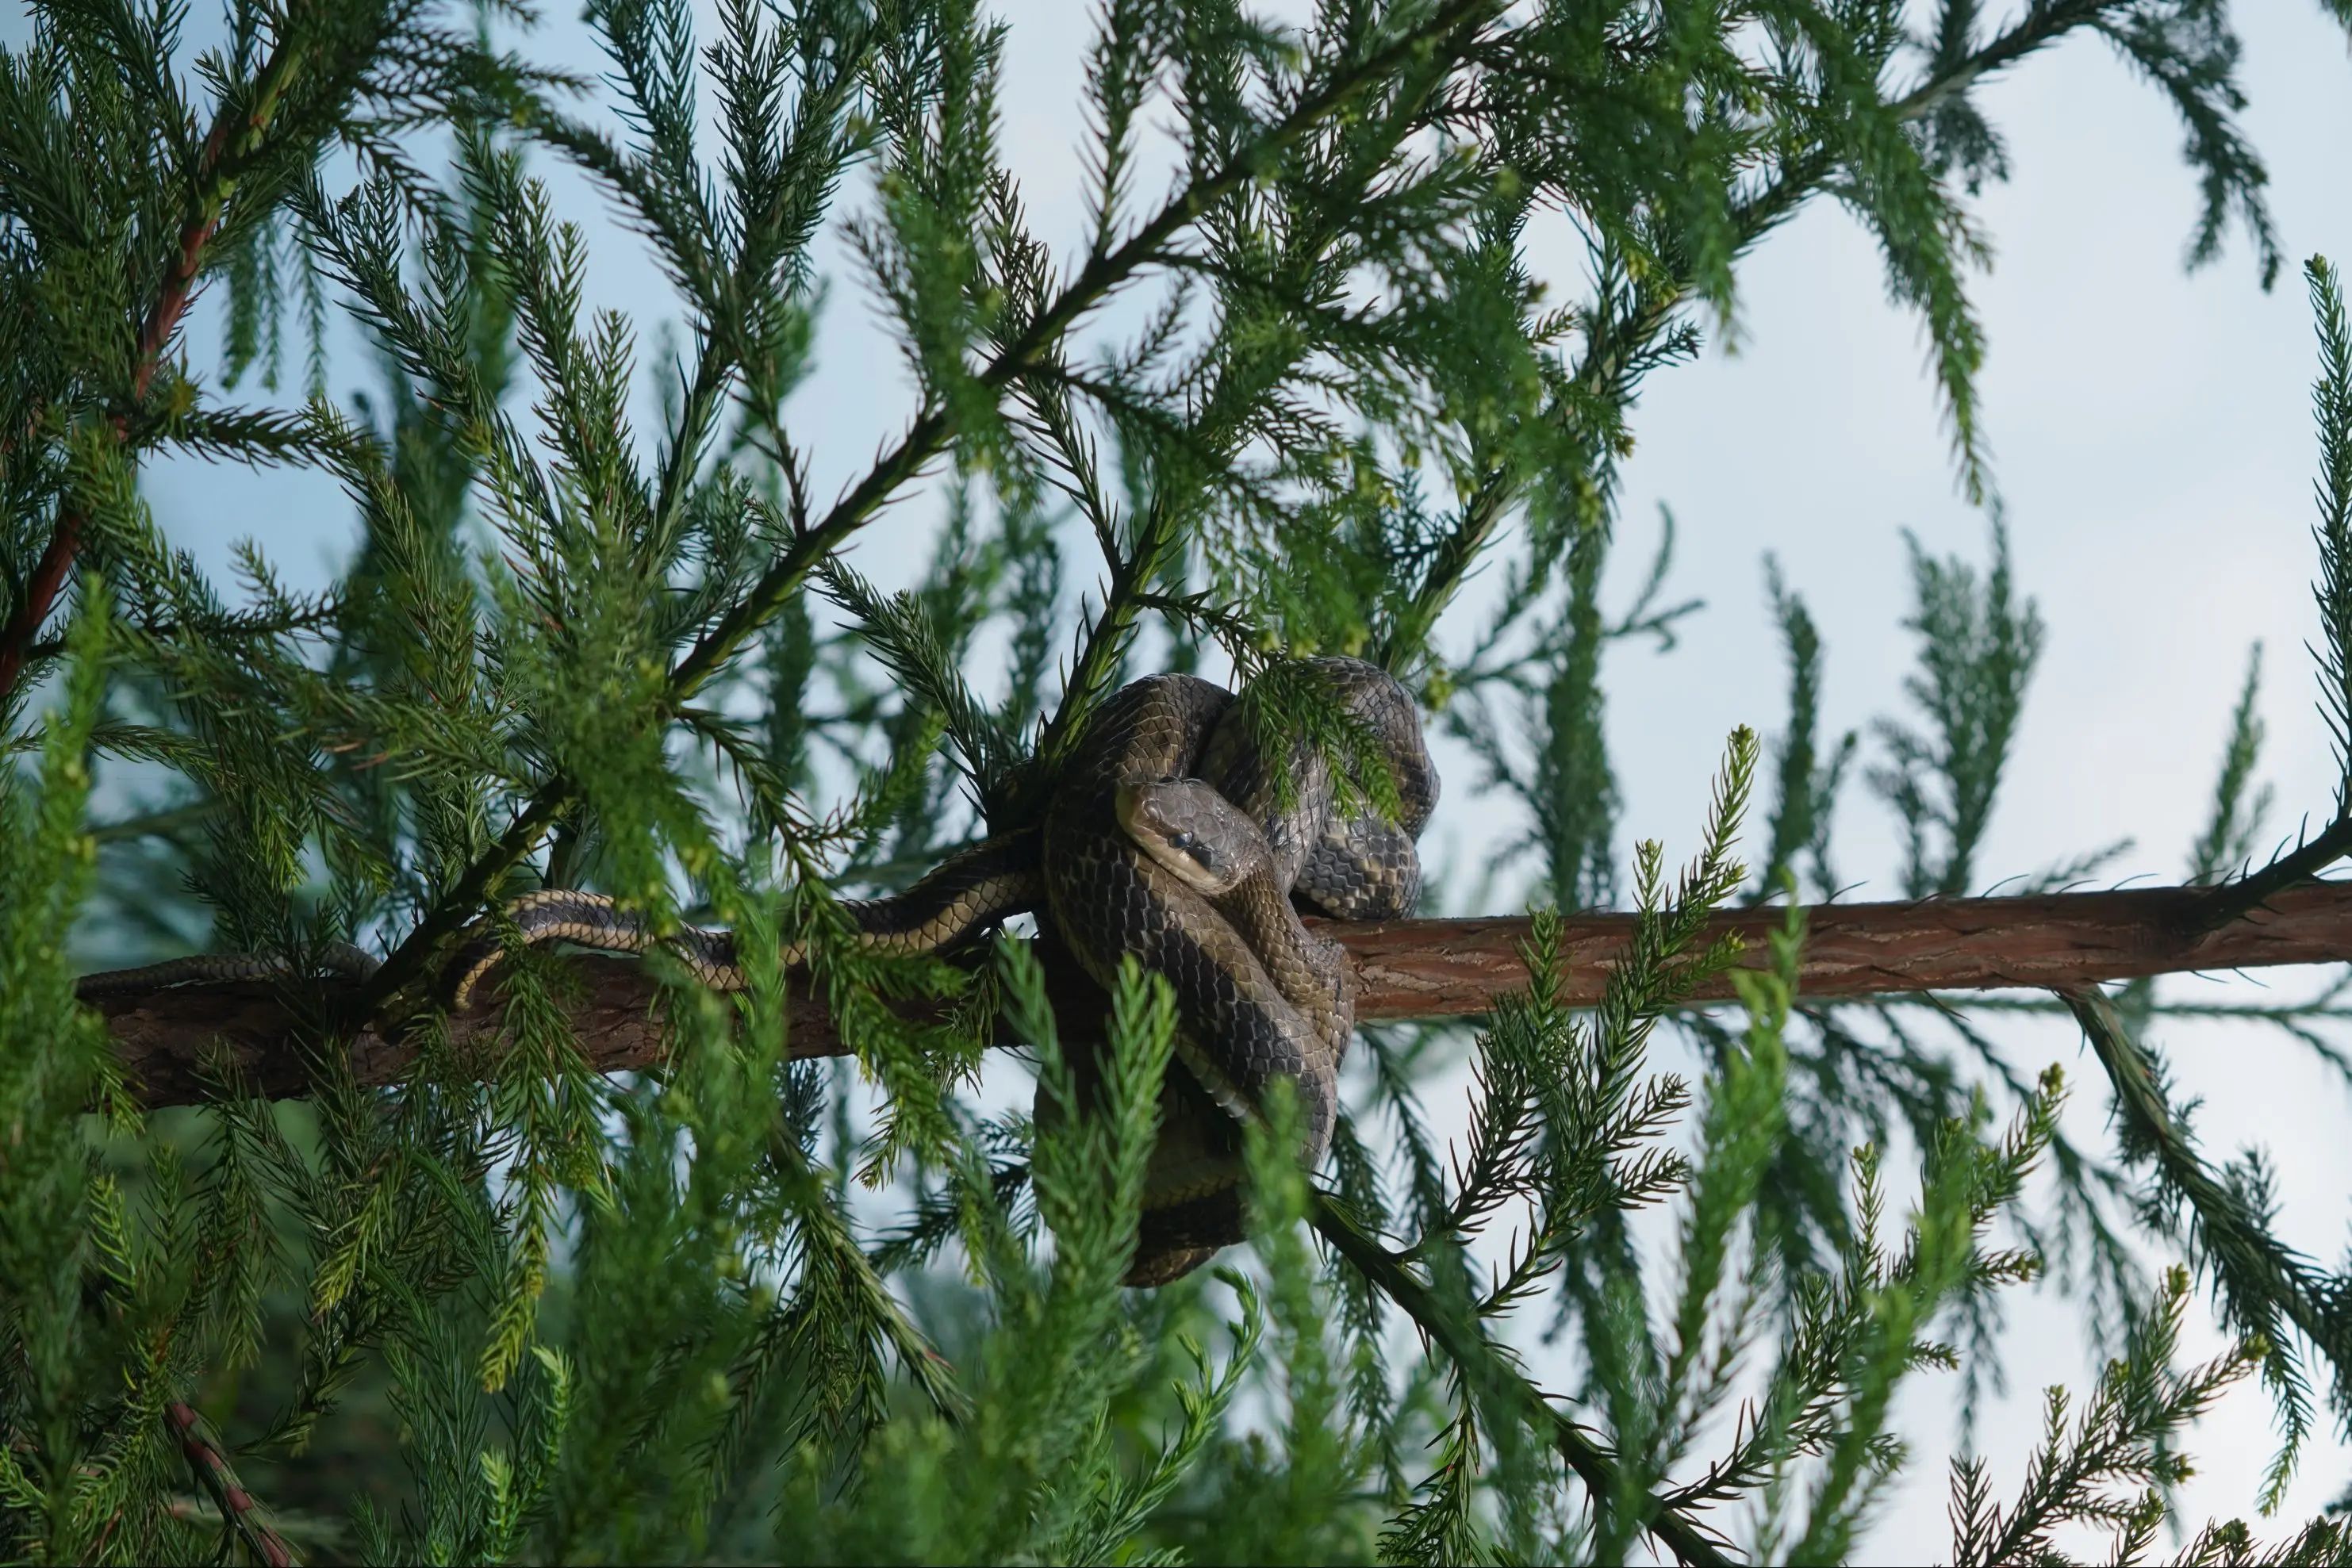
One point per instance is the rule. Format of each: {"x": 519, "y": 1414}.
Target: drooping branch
{"x": 1407, "y": 969}
{"x": 1492, "y": 1372}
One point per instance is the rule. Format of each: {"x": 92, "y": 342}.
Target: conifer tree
{"x": 611, "y": 1266}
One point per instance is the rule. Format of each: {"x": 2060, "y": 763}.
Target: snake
{"x": 1172, "y": 833}
{"x": 1256, "y": 997}
{"x": 1193, "y": 1203}
{"x": 341, "y": 958}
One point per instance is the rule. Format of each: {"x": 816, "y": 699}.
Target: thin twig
{"x": 236, "y": 1504}
{"x": 2233, "y": 1240}
{"x": 2233, "y": 900}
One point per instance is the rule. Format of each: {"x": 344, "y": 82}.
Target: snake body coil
{"x": 217, "y": 969}
{"x": 1192, "y": 1193}
{"x": 1257, "y": 996}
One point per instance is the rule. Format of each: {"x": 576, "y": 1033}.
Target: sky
{"x": 2151, "y": 441}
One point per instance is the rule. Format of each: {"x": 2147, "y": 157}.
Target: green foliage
{"x": 2331, "y": 398}
{"x": 1977, "y": 652}
{"x": 1808, "y": 786}
{"x": 2274, "y": 1299}
{"x": 61, "y": 1224}
{"x": 2124, "y": 1436}
{"x": 509, "y": 1308}
{"x": 2238, "y": 804}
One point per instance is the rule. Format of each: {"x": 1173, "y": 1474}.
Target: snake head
{"x": 1194, "y": 832}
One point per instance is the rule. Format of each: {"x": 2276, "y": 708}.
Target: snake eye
{"x": 1181, "y": 840}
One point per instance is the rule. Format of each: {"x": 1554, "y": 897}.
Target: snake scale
{"x": 1171, "y": 834}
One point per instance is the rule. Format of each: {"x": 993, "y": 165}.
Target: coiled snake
{"x": 1173, "y": 835}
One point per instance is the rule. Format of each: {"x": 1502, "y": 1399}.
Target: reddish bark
{"x": 1409, "y": 969}
{"x": 155, "y": 330}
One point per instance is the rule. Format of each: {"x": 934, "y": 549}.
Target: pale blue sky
{"x": 2149, "y": 434}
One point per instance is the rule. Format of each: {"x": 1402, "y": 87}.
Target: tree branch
{"x": 1406, "y": 970}
{"x": 1493, "y": 1374}
{"x": 211, "y": 1469}
{"x": 233, "y": 138}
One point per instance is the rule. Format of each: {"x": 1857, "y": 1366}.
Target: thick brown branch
{"x": 1409, "y": 969}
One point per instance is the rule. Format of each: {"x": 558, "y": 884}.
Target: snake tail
{"x": 950, "y": 906}
{"x": 220, "y": 968}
